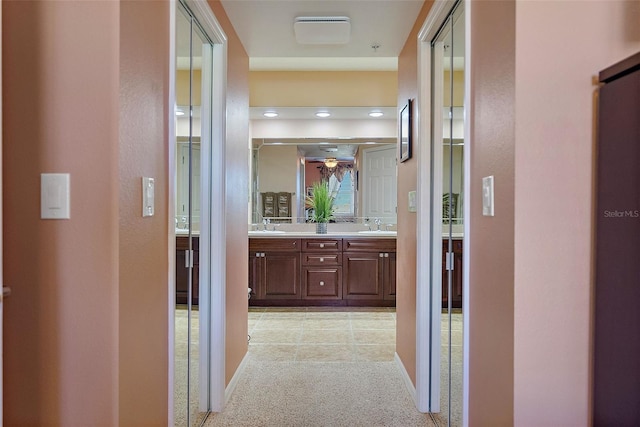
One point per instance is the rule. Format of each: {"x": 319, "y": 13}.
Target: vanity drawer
{"x": 321, "y": 259}
{"x": 321, "y": 245}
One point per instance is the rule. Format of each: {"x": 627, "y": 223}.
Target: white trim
{"x": 171, "y": 228}
{"x": 216, "y": 218}
{"x": 405, "y": 377}
{"x": 428, "y": 307}
{"x": 466, "y": 243}
{"x": 204, "y": 331}
{"x": 235, "y": 379}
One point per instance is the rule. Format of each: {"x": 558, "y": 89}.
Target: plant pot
{"x": 321, "y": 227}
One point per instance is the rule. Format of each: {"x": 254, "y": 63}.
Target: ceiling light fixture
{"x": 323, "y": 114}
{"x": 376, "y": 113}
{"x": 270, "y": 114}
{"x": 330, "y": 162}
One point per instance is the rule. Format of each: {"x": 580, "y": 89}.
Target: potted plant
{"x": 321, "y": 202}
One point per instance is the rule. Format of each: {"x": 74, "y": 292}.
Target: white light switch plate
{"x": 54, "y": 196}
{"x": 148, "y": 196}
{"x": 413, "y": 202}
{"x": 487, "y": 196}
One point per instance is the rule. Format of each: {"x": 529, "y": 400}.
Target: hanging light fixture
{"x": 331, "y": 162}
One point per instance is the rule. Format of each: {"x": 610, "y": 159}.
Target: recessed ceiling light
{"x": 323, "y": 143}
{"x": 369, "y": 142}
{"x": 323, "y": 114}
{"x": 376, "y": 114}
{"x": 270, "y": 114}
{"x": 276, "y": 143}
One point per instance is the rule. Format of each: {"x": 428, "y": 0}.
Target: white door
{"x": 379, "y": 184}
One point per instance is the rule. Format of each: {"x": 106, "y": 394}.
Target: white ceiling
{"x": 265, "y": 28}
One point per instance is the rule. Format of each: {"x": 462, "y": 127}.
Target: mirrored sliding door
{"x": 191, "y": 312}
{"x": 448, "y": 169}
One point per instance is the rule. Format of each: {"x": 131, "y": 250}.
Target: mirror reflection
{"x": 361, "y": 174}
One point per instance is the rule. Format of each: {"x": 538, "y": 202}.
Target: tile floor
{"x": 322, "y": 334}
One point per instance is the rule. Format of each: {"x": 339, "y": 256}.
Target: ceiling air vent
{"x": 322, "y": 29}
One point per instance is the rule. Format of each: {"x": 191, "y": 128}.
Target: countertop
{"x": 314, "y": 235}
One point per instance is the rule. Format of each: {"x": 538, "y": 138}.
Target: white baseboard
{"x": 407, "y": 380}
{"x": 234, "y": 380}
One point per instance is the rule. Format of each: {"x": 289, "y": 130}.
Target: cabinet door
{"x": 456, "y": 285}
{"x": 182, "y": 277}
{"x": 255, "y": 274}
{"x": 390, "y": 276}
{"x": 281, "y": 275}
{"x": 363, "y": 275}
{"x": 322, "y": 282}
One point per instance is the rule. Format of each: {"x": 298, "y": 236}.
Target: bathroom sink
{"x": 378, "y": 233}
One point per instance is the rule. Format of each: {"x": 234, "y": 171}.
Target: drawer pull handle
{"x": 321, "y": 283}
{"x": 381, "y": 255}
{"x": 321, "y": 259}
{"x": 321, "y": 245}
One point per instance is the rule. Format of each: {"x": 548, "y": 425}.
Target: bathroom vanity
{"x": 296, "y": 269}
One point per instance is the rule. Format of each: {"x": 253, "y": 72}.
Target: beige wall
{"x": 555, "y": 134}
{"x": 79, "y": 350}
{"x": 237, "y": 194}
{"x": 278, "y": 170}
{"x": 143, "y": 242}
{"x": 61, "y": 339}
{"x": 323, "y": 88}
{"x": 407, "y": 181}
{"x": 491, "y": 148}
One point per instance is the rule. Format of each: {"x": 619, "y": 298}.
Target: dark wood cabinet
{"x": 369, "y": 269}
{"x": 456, "y": 274}
{"x": 274, "y": 269}
{"x": 322, "y": 269}
{"x": 182, "y": 272}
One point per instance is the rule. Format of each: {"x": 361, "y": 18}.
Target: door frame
{"x": 212, "y": 221}
{"x": 428, "y": 306}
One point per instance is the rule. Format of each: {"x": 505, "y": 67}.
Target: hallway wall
{"x": 237, "y": 194}
{"x": 61, "y": 97}
{"x": 408, "y": 181}
{"x": 556, "y": 99}
{"x": 490, "y": 148}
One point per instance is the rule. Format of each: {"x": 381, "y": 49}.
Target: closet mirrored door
{"x": 191, "y": 315}
{"x": 448, "y": 169}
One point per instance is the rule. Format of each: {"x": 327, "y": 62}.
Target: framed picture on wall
{"x": 404, "y": 132}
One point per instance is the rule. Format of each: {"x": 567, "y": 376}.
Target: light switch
{"x": 413, "y": 202}
{"x": 148, "y": 196}
{"x": 54, "y": 196}
{"x": 487, "y": 196}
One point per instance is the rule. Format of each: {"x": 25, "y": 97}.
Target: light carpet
{"x": 320, "y": 394}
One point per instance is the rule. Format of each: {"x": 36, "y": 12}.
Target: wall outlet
{"x": 413, "y": 201}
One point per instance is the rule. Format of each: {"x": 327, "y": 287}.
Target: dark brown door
{"x": 617, "y": 289}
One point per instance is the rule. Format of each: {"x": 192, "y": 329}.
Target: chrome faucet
{"x": 377, "y": 222}
{"x": 265, "y": 222}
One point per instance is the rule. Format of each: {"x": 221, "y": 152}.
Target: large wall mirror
{"x": 361, "y": 173}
